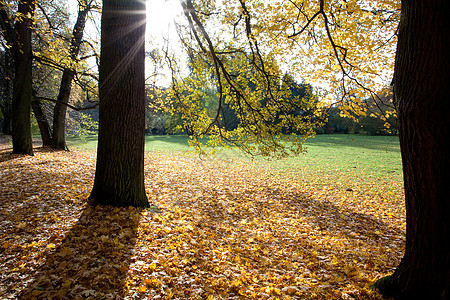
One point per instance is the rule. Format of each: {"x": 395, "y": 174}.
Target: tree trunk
{"x": 21, "y": 106}
{"x": 9, "y": 34}
{"x": 422, "y": 94}
{"x": 44, "y": 126}
{"x": 8, "y": 91}
{"x": 59, "y": 112}
{"x": 119, "y": 175}
{"x": 6, "y": 126}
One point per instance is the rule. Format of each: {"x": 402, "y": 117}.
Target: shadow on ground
{"x": 54, "y": 245}
{"x": 93, "y": 259}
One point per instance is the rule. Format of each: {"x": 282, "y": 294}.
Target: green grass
{"x": 378, "y": 156}
{"x": 358, "y": 162}
{"x": 87, "y": 144}
{"x": 160, "y": 143}
{"x": 368, "y": 164}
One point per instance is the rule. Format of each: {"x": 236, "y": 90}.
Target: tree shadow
{"x": 7, "y": 155}
{"x": 330, "y": 246}
{"x": 93, "y": 259}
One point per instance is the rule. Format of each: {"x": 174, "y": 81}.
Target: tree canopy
{"x": 345, "y": 49}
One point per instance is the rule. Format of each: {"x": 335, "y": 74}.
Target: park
{"x": 234, "y": 149}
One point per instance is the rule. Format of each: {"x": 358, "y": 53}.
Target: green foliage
{"x": 34, "y": 125}
{"x": 379, "y": 121}
{"x": 81, "y": 125}
{"x": 338, "y": 124}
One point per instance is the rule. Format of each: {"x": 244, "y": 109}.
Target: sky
{"x": 160, "y": 27}
{"x": 160, "y": 14}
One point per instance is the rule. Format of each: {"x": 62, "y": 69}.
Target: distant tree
{"x": 119, "y": 174}
{"x": 59, "y": 114}
{"x": 337, "y": 123}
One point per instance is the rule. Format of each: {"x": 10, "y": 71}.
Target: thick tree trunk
{"x": 422, "y": 94}
{"x": 119, "y": 175}
{"x": 7, "y": 111}
{"x": 7, "y": 125}
{"x": 8, "y": 92}
{"x": 44, "y": 126}
{"x": 9, "y": 34}
{"x": 21, "y": 106}
{"x": 59, "y": 113}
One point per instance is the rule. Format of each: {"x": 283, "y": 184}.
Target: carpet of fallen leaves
{"x": 225, "y": 230}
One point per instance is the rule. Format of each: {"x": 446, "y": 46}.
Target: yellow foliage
{"x": 348, "y": 47}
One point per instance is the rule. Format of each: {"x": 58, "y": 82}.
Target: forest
{"x": 233, "y": 149}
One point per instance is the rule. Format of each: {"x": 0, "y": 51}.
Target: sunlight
{"x": 160, "y": 15}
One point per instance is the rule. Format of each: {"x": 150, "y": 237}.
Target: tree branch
{"x": 66, "y": 104}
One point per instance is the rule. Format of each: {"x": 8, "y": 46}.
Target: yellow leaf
{"x": 142, "y": 289}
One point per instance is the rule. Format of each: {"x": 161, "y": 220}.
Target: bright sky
{"x": 160, "y": 15}
{"x": 160, "y": 26}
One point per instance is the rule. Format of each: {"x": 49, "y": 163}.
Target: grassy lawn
{"x": 350, "y": 157}
{"x": 348, "y": 162}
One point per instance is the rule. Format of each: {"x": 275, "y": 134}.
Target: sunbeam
{"x": 160, "y": 16}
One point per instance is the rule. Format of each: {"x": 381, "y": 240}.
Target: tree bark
{"x": 422, "y": 95}
{"x": 8, "y": 91}
{"x": 9, "y": 34}
{"x": 59, "y": 112}
{"x": 22, "y": 90}
{"x": 44, "y": 126}
{"x": 119, "y": 175}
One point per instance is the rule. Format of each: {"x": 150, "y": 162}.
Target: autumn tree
{"x": 51, "y": 55}
{"x": 119, "y": 175}
{"x": 247, "y": 78}
{"x": 57, "y": 50}
{"x": 59, "y": 115}
{"x": 49, "y": 38}
{"x": 349, "y": 46}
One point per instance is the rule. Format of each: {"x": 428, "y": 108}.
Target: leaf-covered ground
{"x": 226, "y": 230}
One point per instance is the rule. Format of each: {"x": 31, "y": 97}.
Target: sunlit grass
{"x": 350, "y": 155}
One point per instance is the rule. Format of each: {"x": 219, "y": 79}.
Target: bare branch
{"x": 66, "y": 104}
